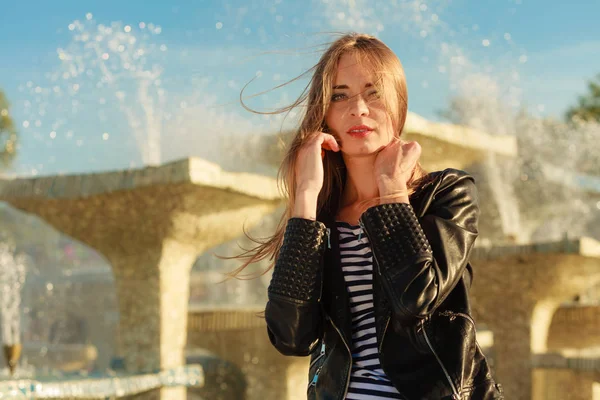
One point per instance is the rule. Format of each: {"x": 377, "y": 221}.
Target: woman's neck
{"x": 360, "y": 180}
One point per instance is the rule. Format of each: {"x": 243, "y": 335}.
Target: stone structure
{"x": 558, "y": 377}
{"x": 517, "y": 290}
{"x": 447, "y": 145}
{"x": 151, "y": 224}
{"x": 581, "y": 321}
{"x": 239, "y": 335}
{"x": 160, "y": 218}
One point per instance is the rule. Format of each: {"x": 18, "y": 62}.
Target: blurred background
{"x": 127, "y": 162}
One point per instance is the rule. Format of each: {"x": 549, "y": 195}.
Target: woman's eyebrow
{"x": 346, "y": 86}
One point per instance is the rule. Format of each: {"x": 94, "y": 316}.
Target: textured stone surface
{"x": 240, "y": 336}
{"x": 575, "y": 327}
{"x": 515, "y": 292}
{"x": 151, "y": 224}
{"x": 455, "y": 146}
{"x": 564, "y": 384}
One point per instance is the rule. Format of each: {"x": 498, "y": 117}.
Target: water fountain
{"x": 12, "y": 277}
{"x": 152, "y": 222}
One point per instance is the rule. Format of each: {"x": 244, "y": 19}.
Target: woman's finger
{"x": 331, "y": 143}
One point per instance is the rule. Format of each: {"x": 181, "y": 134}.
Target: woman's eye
{"x": 337, "y": 97}
{"x": 374, "y": 94}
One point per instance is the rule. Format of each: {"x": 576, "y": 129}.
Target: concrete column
{"x": 153, "y": 291}
{"x": 516, "y": 291}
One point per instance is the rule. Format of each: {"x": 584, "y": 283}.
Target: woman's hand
{"x": 394, "y": 166}
{"x": 310, "y": 173}
{"x": 309, "y": 162}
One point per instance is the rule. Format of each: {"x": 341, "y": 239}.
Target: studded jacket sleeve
{"x": 293, "y": 312}
{"x": 422, "y": 259}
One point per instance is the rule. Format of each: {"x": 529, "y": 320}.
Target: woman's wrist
{"x": 396, "y": 194}
{"x": 305, "y": 205}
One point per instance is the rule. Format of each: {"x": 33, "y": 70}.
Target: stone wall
{"x": 575, "y": 327}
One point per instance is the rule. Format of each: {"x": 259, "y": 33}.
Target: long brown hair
{"x": 391, "y": 84}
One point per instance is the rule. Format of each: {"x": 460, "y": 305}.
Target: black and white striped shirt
{"x": 368, "y": 380}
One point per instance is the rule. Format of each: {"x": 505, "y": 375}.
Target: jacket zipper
{"x": 455, "y": 395}
{"x": 453, "y": 315}
{"x": 315, "y": 378}
{"x": 321, "y": 354}
{"x": 387, "y": 322}
{"x": 349, "y": 352}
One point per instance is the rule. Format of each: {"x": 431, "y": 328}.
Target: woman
{"x": 371, "y": 270}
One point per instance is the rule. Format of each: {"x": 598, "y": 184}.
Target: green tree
{"x": 8, "y": 133}
{"x": 588, "y": 107}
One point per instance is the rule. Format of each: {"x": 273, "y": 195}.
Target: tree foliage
{"x": 8, "y": 133}
{"x": 588, "y": 107}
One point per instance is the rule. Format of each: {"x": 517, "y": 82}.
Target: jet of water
{"x": 12, "y": 278}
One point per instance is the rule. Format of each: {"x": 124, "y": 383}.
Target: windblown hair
{"x": 390, "y": 82}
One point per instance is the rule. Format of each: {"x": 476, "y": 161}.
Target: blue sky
{"x": 537, "y": 54}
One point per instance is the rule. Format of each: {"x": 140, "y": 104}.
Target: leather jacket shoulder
{"x": 420, "y": 283}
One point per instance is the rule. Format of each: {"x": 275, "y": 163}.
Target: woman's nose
{"x": 359, "y": 107}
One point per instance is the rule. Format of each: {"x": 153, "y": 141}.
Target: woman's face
{"x": 357, "y": 116}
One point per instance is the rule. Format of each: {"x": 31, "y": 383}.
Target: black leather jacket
{"x": 425, "y": 333}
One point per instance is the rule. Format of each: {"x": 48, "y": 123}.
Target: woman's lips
{"x": 359, "y": 131}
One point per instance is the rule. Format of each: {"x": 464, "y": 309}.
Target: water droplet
{"x": 485, "y": 42}
{"x": 89, "y": 16}
{"x": 71, "y": 27}
{"x": 219, "y": 25}
{"x": 52, "y": 135}
{"x": 279, "y": 18}
{"x": 423, "y": 33}
{"x": 523, "y": 59}
{"x": 4, "y": 112}
{"x": 142, "y": 25}
{"x": 127, "y": 28}
{"x": 105, "y": 56}
{"x": 423, "y": 7}
{"x": 105, "y": 136}
{"x": 163, "y": 47}
{"x": 507, "y": 36}
{"x": 49, "y": 286}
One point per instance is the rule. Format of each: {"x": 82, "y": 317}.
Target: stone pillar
{"x": 240, "y": 337}
{"x": 515, "y": 292}
{"x": 153, "y": 291}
